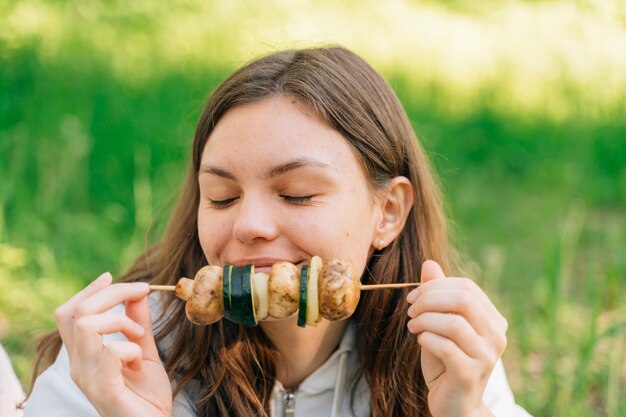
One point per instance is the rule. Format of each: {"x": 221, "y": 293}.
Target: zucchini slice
{"x": 236, "y": 294}
{"x": 312, "y": 303}
{"x": 241, "y": 307}
{"x": 226, "y": 292}
{"x": 247, "y": 300}
{"x": 302, "y": 308}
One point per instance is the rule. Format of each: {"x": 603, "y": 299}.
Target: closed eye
{"x": 222, "y": 203}
{"x": 297, "y": 199}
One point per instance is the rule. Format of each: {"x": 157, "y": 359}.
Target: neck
{"x": 302, "y": 350}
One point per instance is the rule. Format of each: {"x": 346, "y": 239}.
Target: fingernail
{"x": 139, "y": 285}
{"x": 412, "y": 297}
{"x": 104, "y": 277}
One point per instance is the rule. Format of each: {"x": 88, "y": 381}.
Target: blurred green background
{"x": 521, "y": 106}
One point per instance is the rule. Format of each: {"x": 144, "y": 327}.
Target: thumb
{"x": 431, "y": 270}
{"x": 139, "y": 311}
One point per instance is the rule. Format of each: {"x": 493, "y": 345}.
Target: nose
{"x": 255, "y": 221}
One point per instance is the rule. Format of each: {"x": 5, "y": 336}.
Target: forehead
{"x": 273, "y": 131}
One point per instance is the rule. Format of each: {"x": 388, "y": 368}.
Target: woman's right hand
{"x": 122, "y": 378}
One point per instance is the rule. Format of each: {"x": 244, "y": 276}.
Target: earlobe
{"x": 395, "y": 208}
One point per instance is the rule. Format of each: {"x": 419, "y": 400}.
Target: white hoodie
{"x": 324, "y": 393}
{"x": 11, "y": 393}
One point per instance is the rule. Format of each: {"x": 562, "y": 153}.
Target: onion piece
{"x": 260, "y": 295}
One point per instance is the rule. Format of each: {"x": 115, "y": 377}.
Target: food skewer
{"x": 365, "y": 287}
{"x": 323, "y": 289}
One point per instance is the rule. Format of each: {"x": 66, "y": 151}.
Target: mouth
{"x": 264, "y": 264}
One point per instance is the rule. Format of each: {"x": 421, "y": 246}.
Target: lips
{"x": 263, "y": 264}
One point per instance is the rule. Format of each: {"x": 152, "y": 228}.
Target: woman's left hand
{"x": 462, "y": 336}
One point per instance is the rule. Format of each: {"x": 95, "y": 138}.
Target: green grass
{"x": 90, "y": 160}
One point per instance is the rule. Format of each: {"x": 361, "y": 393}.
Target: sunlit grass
{"x": 523, "y": 48}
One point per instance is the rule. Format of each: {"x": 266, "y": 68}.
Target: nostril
{"x": 254, "y": 225}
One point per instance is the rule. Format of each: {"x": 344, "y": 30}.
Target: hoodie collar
{"x": 326, "y": 376}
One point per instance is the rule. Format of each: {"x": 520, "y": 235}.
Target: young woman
{"x": 299, "y": 153}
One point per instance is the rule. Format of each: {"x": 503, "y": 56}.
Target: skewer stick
{"x": 363, "y": 287}
{"x": 163, "y": 287}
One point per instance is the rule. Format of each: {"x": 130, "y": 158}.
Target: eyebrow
{"x": 270, "y": 173}
{"x": 208, "y": 169}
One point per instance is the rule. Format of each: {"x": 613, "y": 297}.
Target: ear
{"x": 394, "y": 209}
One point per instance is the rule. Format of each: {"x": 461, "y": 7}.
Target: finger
{"x": 139, "y": 311}
{"x": 111, "y": 296}
{"x": 103, "y": 300}
{"x": 452, "y": 301}
{"x": 128, "y": 354}
{"x": 64, "y": 314}
{"x": 475, "y": 293}
{"x": 462, "y": 303}
{"x": 88, "y": 333}
{"x": 454, "y": 359}
{"x": 106, "y": 376}
{"x": 430, "y": 270}
{"x": 450, "y": 326}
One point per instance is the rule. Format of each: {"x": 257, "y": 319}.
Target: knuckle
{"x": 411, "y": 326}
{"x": 505, "y": 324}
{"x": 502, "y": 345}
{"x": 82, "y": 309}
{"x": 61, "y": 313}
{"x": 491, "y": 363}
{"x": 498, "y": 342}
{"x": 418, "y": 307}
{"x": 493, "y": 352}
{"x": 467, "y": 284}
{"x": 409, "y": 311}
{"x": 136, "y": 349}
{"x": 414, "y": 325}
{"x": 81, "y": 325}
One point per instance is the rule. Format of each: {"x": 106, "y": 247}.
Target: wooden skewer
{"x": 163, "y": 287}
{"x": 363, "y": 287}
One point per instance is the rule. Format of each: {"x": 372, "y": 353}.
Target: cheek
{"x": 356, "y": 238}
{"x": 346, "y": 237}
{"x": 355, "y": 245}
{"x": 213, "y": 234}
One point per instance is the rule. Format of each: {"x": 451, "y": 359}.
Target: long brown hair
{"x": 235, "y": 365}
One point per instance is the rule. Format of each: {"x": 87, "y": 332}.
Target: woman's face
{"x": 276, "y": 184}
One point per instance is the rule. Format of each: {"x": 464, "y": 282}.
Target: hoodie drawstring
{"x": 289, "y": 403}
